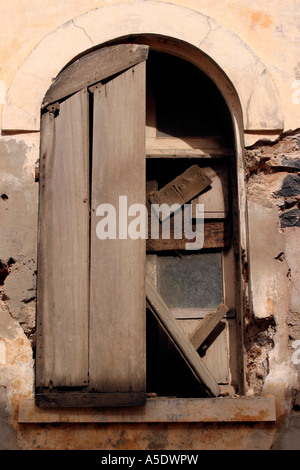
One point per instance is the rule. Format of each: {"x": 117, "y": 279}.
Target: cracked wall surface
{"x": 272, "y": 173}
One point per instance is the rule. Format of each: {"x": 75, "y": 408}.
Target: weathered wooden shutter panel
{"x": 62, "y": 326}
{"x": 91, "y": 295}
{"x": 117, "y": 291}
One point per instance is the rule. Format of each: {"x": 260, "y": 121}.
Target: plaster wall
{"x": 269, "y": 32}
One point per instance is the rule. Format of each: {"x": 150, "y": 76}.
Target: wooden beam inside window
{"x": 160, "y": 310}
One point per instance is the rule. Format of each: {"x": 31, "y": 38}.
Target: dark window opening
{"x": 184, "y": 103}
{"x": 188, "y": 103}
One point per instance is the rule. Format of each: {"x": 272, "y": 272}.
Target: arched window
{"x": 96, "y": 346}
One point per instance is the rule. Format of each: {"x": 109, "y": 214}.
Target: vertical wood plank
{"x": 117, "y": 296}
{"x": 62, "y": 326}
{"x": 217, "y": 355}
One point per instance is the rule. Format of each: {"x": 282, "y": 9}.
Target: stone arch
{"x": 256, "y": 91}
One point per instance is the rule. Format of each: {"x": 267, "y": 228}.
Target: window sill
{"x": 159, "y": 410}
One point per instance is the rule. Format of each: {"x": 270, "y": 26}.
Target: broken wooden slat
{"x": 117, "y": 293}
{"x": 179, "y": 339}
{"x": 181, "y": 190}
{"x": 216, "y": 202}
{"x": 206, "y": 326}
{"x": 94, "y": 67}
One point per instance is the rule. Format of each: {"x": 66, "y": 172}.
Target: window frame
{"x": 215, "y": 150}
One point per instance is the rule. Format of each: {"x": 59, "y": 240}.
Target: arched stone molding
{"x": 253, "y": 83}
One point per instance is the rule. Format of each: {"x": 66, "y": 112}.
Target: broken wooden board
{"x": 180, "y": 190}
{"x": 162, "y": 313}
{"x": 207, "y": 325}
{"x": 94, "y": 67}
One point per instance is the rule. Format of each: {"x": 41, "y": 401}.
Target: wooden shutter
{"x": 91, "y": 295}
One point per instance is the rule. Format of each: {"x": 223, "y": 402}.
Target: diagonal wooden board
{"x": 206, "y": 326}
{"x": 162, "y": 313}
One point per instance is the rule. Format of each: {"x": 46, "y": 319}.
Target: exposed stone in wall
{"x": 259, "y": 341}
{"x": 283, "y": 153}
{"x": 18, "y": 211}
{"x": 16, "y": 375}
{"x": 272, "y": 172}
{"x": 273, "y": 185}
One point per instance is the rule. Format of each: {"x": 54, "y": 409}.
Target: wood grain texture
{"x": 117, "y": 293}
{"x": 206, "y": 326}
{"x": 94, "y": 67}
{"x": 63, "y": 246}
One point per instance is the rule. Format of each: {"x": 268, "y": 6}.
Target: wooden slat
{"x": 181, "y": 190}
{"x": 217, "y": 152}
{"x": 216, "y": 235}
{"x": 160, "y": 410}
{"x": 216, "y": 356}
{"x": 179, "y": 339}
{"x": 183, "y": 313}
{"x": 62, "y": 293}
{"x": 206, "y": 326}
{"x": 94, "y": 67}
{"x": 117, "y": 291}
